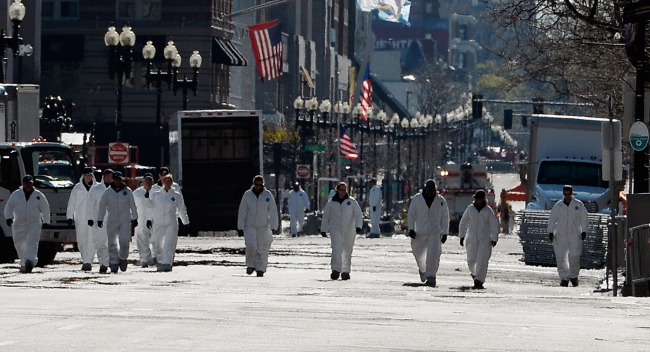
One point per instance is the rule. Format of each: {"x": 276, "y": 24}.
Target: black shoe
{"x": 345, "y": 276}
{"x": 260, "y": 273}
{"x": 249, "y": 270}
{"x": 103, "y": 269}
{"x": 574, "y": 281}
{"x": 334, "y": 275}
{"x": 29, "y": 265}
{"x": 564, "y": 283}
{"x": 114, "y": 268}
{"x": 86, "y": 267}
{"x": 323, "y": 234}
{"x": 123, "y": 264}
{"x": 293, "y": 235}
{"x": 473, "y": 276}
{"x": 478, "y": 285}
{"x": 372, "y": 235}
{"x": 431, "y": 281}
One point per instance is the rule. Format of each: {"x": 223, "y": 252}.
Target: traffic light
{"x": 477, "y": 106}
{"x": 507, "y": 119}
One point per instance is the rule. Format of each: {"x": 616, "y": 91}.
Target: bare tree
{"x": 575, "y": 46}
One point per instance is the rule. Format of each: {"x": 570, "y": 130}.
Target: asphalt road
{"x": 208, "y": 303}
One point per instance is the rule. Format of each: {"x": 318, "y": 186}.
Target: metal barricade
{"x": 638, "y": 256}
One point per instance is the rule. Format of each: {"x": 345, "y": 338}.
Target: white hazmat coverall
{"x": 567, "y": 223}
{"x": 77, "y": 208}
{"x": 479, "y": 230}
{"x": 375, "y": 209}
{"x": 142, "y": 233}
{"x": 166, "y": 206}
{"x": 258, "y": 215}
{"x": 340, "y": 219}
{"x": 119, "y": 208}
{"x": 429, "y": 224}
{"x": 98, "y": 236}
{"x": 29, "y": 217}
{"x": 297, "y": 201}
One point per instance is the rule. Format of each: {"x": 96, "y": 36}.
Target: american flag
{"x": 266, "y": 39}
{"x": 348, "y": 149}
{"x": 366, "y": 95}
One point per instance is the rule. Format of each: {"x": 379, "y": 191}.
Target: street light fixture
{"x": 185, "y": 84}
{"x": 149, "y": 53}
{"x": 119, "y": 63}
{"x": 13, "y": 42}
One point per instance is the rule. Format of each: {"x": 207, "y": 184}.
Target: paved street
{"x": 208, "y": 303}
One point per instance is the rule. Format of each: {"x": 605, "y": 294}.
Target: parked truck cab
{"x": 55, "y": 172}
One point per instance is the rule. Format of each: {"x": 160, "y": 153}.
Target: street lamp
{"x": 185, "y": 84}
{"x": 119, "y": 63}
{"x": 170, "y": 53}
{"x": 16, "y": 13}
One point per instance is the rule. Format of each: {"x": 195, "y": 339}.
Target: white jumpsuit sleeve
{"x": 101, "y": 209}
{"x": 494, "y": 227}
{"x": 306, "y": 201}
{"x": 243, "y": 213}
{"x": 273, "y": 213}
{"x": 358, "y": 215}
{"x": 464, "y": 222}
{"x": 69, "y": 214}
{"x": 325, "y": 221}
{"x": 584, "y": 219}
{"x": 552, "y": 219}
{"x": 411, "y": 215}
{"x": 44, "y": 208}
{"x": 134, "y": 209}
{"x": 182, "y": 211}
{"x": 444, "y": 219}
{"x": 9, "y": 207}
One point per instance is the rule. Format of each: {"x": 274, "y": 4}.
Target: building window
{"x": 428, "y": 8}
{"x": 462, "y": 32}
{"x": 60, "y": 9}
{"x": 138, "y": 9}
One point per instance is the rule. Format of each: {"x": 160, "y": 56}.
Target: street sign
{"x": 118, "y": 153}
{"x": 303, "y": 171}
{"x": 638, "y": 136}
{"x": 315, "y": 148}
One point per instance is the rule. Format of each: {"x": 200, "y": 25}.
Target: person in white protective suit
{"x": 479, "y": 232}
{"x": 118, "y": 206}
{"x": 428, "y": 224}
{"x": 567, "y": 229}
{"x": 298, "y": 203}
{"x": 141, "y": 197}
{"x": 258, "y": 216}
{"x": 342, "y": 218}
{"x": 161, "y": 174}
{"x": 25, "y": 212}
{"x": 374, "y": 199}
{"x": 76, "y": 214}
{"x": 166, "y": 205}
{"x": 98, "y": 242}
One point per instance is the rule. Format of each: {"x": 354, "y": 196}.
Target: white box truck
{"x": 214, "y": 155}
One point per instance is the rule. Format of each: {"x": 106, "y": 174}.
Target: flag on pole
{"x": 392, "y": 7}
{"x": 348, "y": 149}
{"x": 266, "y": 39}
{"x": 366, "y": 95}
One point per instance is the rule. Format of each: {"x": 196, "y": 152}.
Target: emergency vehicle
{"x": 458, "y": 183}
{"x": 55, "y": 172}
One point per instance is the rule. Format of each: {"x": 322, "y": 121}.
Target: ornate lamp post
{"x": 17, "y": 14}
{"x": 170, "y": 53}
{"x": 185, "y": 84}
{"x": 119, "y": 63}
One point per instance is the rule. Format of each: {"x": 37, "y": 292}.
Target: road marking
{"x": 69, "y": 327}
{"x": 518, "y": 332}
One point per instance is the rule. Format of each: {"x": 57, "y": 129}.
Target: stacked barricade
{"x": 538, "y": 249}
{"x": 638, "y": 255}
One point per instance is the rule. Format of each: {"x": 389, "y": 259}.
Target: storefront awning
{"x": 224, "y": 52}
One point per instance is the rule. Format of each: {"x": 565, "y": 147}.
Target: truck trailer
{"x": 214, "y": 155}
